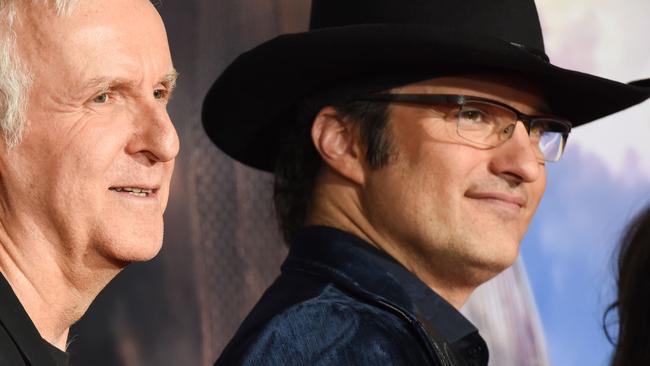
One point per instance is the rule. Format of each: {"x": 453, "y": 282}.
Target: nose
{"x": 155, "y": 136}
{"x": 515, "y": 160}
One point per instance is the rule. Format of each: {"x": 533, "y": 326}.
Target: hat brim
{"x": 644, "y": 83}
{"x": 249, "y": 107}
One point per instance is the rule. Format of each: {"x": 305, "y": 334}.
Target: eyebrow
{"x": 169, "y": 80}
{"x": 106, "y": 83}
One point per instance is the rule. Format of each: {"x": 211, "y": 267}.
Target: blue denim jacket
{"x": 340, "y": 301}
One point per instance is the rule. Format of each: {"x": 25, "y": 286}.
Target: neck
{"x": 337, "y": 204}
{"x": 55, "y": 288}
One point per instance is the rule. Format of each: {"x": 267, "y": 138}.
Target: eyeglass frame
{"x": 460, "y": 100}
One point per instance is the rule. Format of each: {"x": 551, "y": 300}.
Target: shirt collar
{"x": 355, "y": 260}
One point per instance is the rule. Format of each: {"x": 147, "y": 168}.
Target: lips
{"x": 134, "y": 190}
{"x": 512, "y": 199}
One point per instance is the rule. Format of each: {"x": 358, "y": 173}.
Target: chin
{"x": 494, "y": 258}
{"x": 137, "y": 245}
{"x": 140, "y": 251}
{"x": 499, "y": 261}
{"x": 141, "y": 255}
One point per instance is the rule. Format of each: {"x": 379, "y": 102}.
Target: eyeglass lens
{"x": 491, "y": 125}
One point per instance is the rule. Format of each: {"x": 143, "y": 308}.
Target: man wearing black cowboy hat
{"x": 409, "y": 141}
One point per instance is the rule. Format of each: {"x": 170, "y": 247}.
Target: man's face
{"x": 98, "y": 132}
{"x": 454, "y": 210}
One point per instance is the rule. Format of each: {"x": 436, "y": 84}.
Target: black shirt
{"x": 60, "y": 358}
{"x": 20, "y": 342}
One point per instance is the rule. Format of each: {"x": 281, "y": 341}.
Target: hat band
{"x": 533, "y": 51}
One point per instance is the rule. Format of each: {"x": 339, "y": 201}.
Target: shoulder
{"x": 333, "y": 328}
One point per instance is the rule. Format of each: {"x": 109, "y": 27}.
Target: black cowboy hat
{"x": 381, "y": 44}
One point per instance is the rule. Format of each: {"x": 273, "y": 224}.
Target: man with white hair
{"x": 86, "y": 160}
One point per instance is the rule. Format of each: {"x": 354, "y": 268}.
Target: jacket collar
{"x": 356, "y": 264}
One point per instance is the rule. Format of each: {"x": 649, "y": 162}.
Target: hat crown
{"x": 514, "y": 21}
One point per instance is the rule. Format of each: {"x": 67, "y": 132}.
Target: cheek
{"x": 445, "y": 169}
{"x": 82, "y": 173}
{"x": 98, "y": 145}
{"x": 536, "y": 192}
{"x": 167, "y": 184}
{"x": 541, "y": 188}
{"x": 426, "y": 189}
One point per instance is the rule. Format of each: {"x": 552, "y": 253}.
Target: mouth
{"x": 135, "y": 191}
{"x": 514, "y": 201}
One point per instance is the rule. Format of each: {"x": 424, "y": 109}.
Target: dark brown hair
{"x": 299, "y": 163}
{"x": 633, "y": 295}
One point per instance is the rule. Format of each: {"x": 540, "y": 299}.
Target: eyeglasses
{"x": 488, "y": 123}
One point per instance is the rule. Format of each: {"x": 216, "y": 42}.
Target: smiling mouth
{"x": 138, "y": 192}
{"x": 513, "y": 200}
{"x": 510, "y": 205}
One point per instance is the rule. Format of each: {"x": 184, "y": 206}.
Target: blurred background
{"x": 222, "y": 247}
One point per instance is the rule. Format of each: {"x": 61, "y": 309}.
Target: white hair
{"x": 15, "y": 78}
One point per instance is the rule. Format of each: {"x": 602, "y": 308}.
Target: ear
{"x": 337, "y": 142}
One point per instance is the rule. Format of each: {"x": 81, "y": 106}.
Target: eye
{"x": 160, "y": 94}
{"x": 482, "y": 117}
{"x": 536, "y": 132}
{"x": 101, "y": 98}
{"x": 508, "y": 131}
{"x": 471, "y": 116}
{"x": 539, "y": 129}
